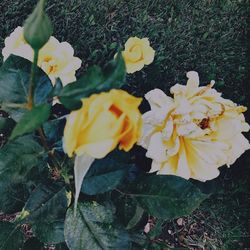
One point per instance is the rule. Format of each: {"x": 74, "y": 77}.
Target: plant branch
{"x": 32, "y": 80}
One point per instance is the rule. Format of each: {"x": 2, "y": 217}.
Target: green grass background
{"x": 209, "y": 36}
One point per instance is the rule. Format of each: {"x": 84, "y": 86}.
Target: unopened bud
{"x": 38, "y": 27}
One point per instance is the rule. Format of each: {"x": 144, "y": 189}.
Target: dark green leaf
{"x": 14, "y": 85}
{"x": 17, "y": 158}
{"x": 93, "y": 227}
{"x": 33, "y": 244}
{"x": 47, "y": 206}
{"x": 53, "y": 131}
{"x": 56, "y": 88}
{"x": 94, "y": 81}
{"x": 13, "y": 197}
{"x": 11, "y": 237}
{"x": 49, "y": 232}
{"x": 136, "y": 218}
{"x": 125, "y": 207}
{"x": 166, "y": 196}
{"x": 31, "y": 120}
{"x": 104, "y": 175}
{"x": 62, "y": 246}
{"x": 6, "y": 125}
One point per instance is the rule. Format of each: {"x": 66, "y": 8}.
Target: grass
{"x": 209, "y": 36}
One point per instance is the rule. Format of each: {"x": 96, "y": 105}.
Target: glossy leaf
{"x": 31, "y": 120}
{"x": 14, "y": 85}
{"x": 49, "y": 232}
{"x": 11, "y": 237}
{"x": 94, "y": 227}
{"x": 13, "y": 197}
{"x": 53, "y": 131}
{"x": 166, "y": 196}
{"x": 104, "y": 175}
{"x": 46, "y": 208}
{"x": 17, "y": 158}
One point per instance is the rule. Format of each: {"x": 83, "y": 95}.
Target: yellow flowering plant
{"x": 73, "y": 175}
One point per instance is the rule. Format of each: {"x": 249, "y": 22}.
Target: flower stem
{"x": 32, "y": 80}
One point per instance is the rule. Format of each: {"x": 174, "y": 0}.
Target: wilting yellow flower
{"x": 55, "y": 58}
{"x": 194, "y": 133}
{"x": 104, "y": 121}
{"x": 137, "y": 53}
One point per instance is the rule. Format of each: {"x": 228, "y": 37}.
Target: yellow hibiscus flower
{"x": 194, "y": 133}
{"x": 137, "y": 53}
{"x": 56, "y": 59}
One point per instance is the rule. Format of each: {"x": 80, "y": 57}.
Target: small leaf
{"x": 166, "y": 196}
{"x": 38, "y": 27}
{"x": 11, "y": 237}
{"x": 136, "y": 218}
{"x": 56, "y": 88}
{"x": 31, "y": 120}
{"x": 94, "y": 227}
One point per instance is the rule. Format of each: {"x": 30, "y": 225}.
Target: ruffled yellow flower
{"x": 194, "y": 133}
{"x": 55, "y": 58}
{"x": 137, "y": 53}
{"x": 104, "y": 121}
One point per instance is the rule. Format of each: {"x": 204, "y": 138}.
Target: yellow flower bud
{"x": 104, "y": 121}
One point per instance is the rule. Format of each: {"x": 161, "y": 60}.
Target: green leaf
{"x": 33, "y": 244}
{"x": 46, "y": 209}
{"x": 56, "y": 88}
{"x": 13, "y": 197}
{"x": 166, "y": 196}
{"x": 104, "y": 175}
{"x": 38, "y": 27}
{"x": 94, "y": 81}
{"x": 94, "y": 227}
{"x": 49, "y": 232}
{"x": 17, "y": 158}
{"x": 31, "y": 120}
{"x": 136, "y": 218}
{"x": 11, "y": 237}
{"x": 61, "y": 246}
{"x": 14, "y": 85}
{"x": 6, "y": 125}
{"x": 125, "y": 208}
{"x": 53, "y": 131}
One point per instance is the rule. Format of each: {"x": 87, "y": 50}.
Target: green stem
{"x": 32, "y": 80}
{"x": 13, "y": 105}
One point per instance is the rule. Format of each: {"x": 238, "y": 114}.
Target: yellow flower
{"x": 194, "y": 133}
{"x": 137, "y": 53}
{"x": 56, "y": 59}
{"x": 104, "y": 121}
